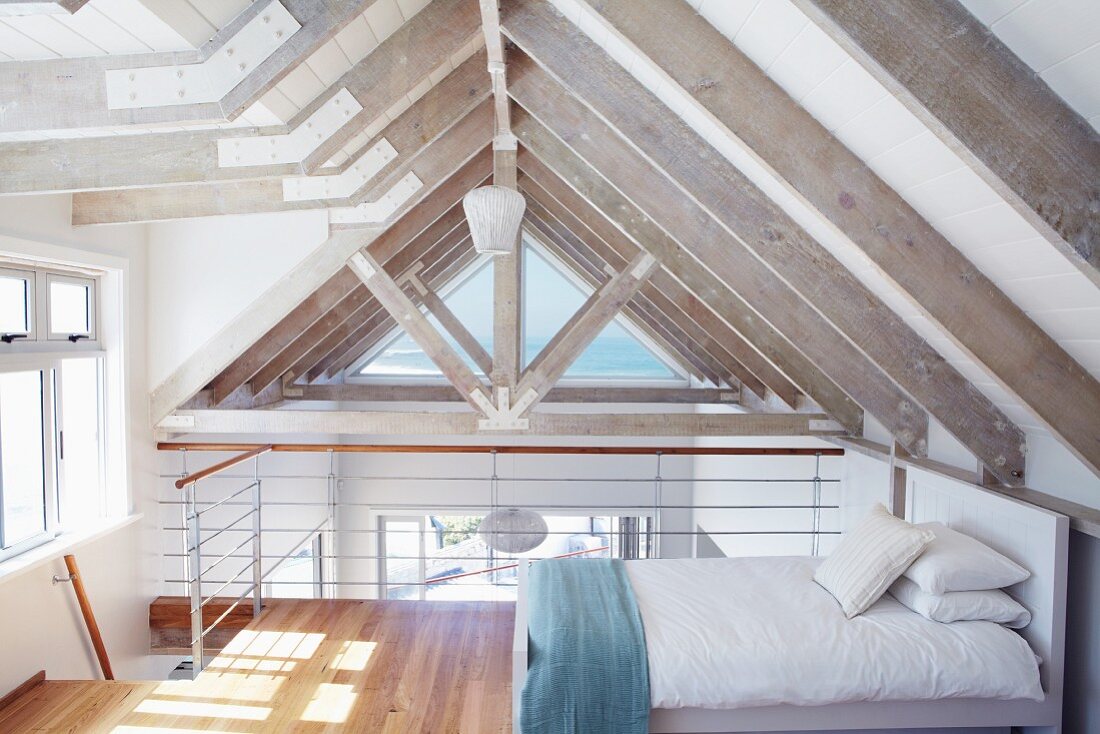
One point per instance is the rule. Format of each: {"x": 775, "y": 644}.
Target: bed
{"x": 753, "y": 644}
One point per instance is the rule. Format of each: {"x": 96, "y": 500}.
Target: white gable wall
{"x": 40, "y": 624}
{"x": 204, "y": 272}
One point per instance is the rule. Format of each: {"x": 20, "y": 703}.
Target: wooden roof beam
{"x": 989, "y": 107}
{"x": 586, "y": 185}
{"x": 467, "y": 424}
{"x": 369, "y": 335}
{"x": 340, "y": 282}
{"x": 659, "y": 315}
{"x": 402, "y": 61}
{"x": 642, "y": 315}
{"x": 559, "y": 394}
{"x": 907, "y": 249}
{"x": 164, "y": 159}
{"x": 387, "y": 291}
{"x": 433, "y": 161}
{"x": 351, "y": 330}
{"x": 725, "y": 344}
{"x": 327, "y": 328}
{"x": 771, "y": 241}
{"x": 72, "y": 93}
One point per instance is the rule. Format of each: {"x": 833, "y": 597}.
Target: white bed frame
{"x": 1036, "y": 538}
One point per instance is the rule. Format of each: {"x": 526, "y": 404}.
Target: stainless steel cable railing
{"x": 371, "y": 534}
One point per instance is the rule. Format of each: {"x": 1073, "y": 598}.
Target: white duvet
{"x": 739, "y": 632}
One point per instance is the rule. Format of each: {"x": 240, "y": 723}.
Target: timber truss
{"x": 668, "y": 233}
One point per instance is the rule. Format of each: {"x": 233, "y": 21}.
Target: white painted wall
{"x": 40, "y": 625}
{"x": 204, "y": 272}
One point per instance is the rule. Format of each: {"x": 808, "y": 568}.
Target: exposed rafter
{"x": 941, "y": 281}
{"x": 387, "y": 291}
{"x": 586, "y": 186}
{"x": 199, "y": 157}
{"x": 718, "y": 338}
{"x": 430, "y": 163}
{"x": 63, "y": 94}
{"x": 994, "y": 111}
{"x": 773, "y": 244}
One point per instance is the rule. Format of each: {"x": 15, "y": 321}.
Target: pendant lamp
{"x": 494, "y": 214}
{"x": 513, "y": 530}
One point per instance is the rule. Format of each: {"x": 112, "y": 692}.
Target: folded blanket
{"x": 587, "y": 670}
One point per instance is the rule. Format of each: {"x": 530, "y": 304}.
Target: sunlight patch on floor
{"x": 219, "y": 686}
{"x": 331, "y": 704}
{"x": 354, "y": 655}
{"x": 163, "y": 730}
{"x": 296, "y": 645}
{"x": 203, "y": 710}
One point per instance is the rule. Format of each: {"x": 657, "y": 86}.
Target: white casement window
{"x": 51, "y": 450}
{"x": 52, "y": 417}
{"x": 40, "y": 305}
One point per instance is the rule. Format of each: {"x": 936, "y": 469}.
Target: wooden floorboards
{"x": 312, "y": 666}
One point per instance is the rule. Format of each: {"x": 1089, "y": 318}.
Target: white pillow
{"x": 991, "y": 605}
{"x": 957, "y": 562}
{"x": 869, "y": 558}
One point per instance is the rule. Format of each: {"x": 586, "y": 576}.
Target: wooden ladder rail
{"x": 89, "y": 616}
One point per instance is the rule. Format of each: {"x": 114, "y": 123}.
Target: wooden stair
{"x": 170, "y": 624}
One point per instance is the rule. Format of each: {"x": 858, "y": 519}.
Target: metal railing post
{"x": 194, "y": 535}
{"x": 816, "y": 537}
{"x": 657, "y": 503}
{"x": 329, "y": 540}
{"x": 257, "y": 567}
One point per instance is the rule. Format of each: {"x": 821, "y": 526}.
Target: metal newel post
{"x": 194, "y": 535}
{"x": 257, "y": 566}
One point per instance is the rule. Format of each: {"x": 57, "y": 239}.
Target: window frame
{"x": 29, "y": 276}
{"x": 678, "y": 375}
{"x": 56, "y": 491}
{"x": 52, "y": 474}
{"x": 41, "y": 337}
{"x": 46, "y": 279}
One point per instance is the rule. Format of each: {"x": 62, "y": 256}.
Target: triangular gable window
{"x": 550, "y": 299}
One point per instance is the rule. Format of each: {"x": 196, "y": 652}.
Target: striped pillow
{"x": 870, "y": 558}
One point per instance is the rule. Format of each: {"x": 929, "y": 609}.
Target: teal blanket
{"x": 587, "y": 671}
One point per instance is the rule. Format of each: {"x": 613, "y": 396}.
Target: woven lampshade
{"x": 494, "y": 214}
{"x": 513, "y": 530}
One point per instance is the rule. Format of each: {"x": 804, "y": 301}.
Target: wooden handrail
{"x": 89, "y": 617}
{"x": 221, "y": 466}
{"x": 466, "y": 449}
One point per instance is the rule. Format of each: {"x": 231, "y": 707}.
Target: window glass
{"x": 14, "y": 305}
{"x": 299, "y": 575}
{"x": 549, "y": 300}
{"x": 472, "y": 304}
{"x": 81, "y": 464}
{"x": 22, "y": 456}
{"x": 70, "y": 311}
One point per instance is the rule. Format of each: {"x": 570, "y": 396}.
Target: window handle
{"x": 74, "y": 338}
{"x": 9, "y": 338}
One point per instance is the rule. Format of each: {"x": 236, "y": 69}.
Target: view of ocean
{"x": 607, "y": 356}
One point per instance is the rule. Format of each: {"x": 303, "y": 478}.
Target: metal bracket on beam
{"x": 176, "y": 422}
{"x": 504, "y": 416}
{"x": 377, "y": 211}
{"x": 342, "y": 185}
{"x": 165, "y": 86}
{"x": 295, "y": 146}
